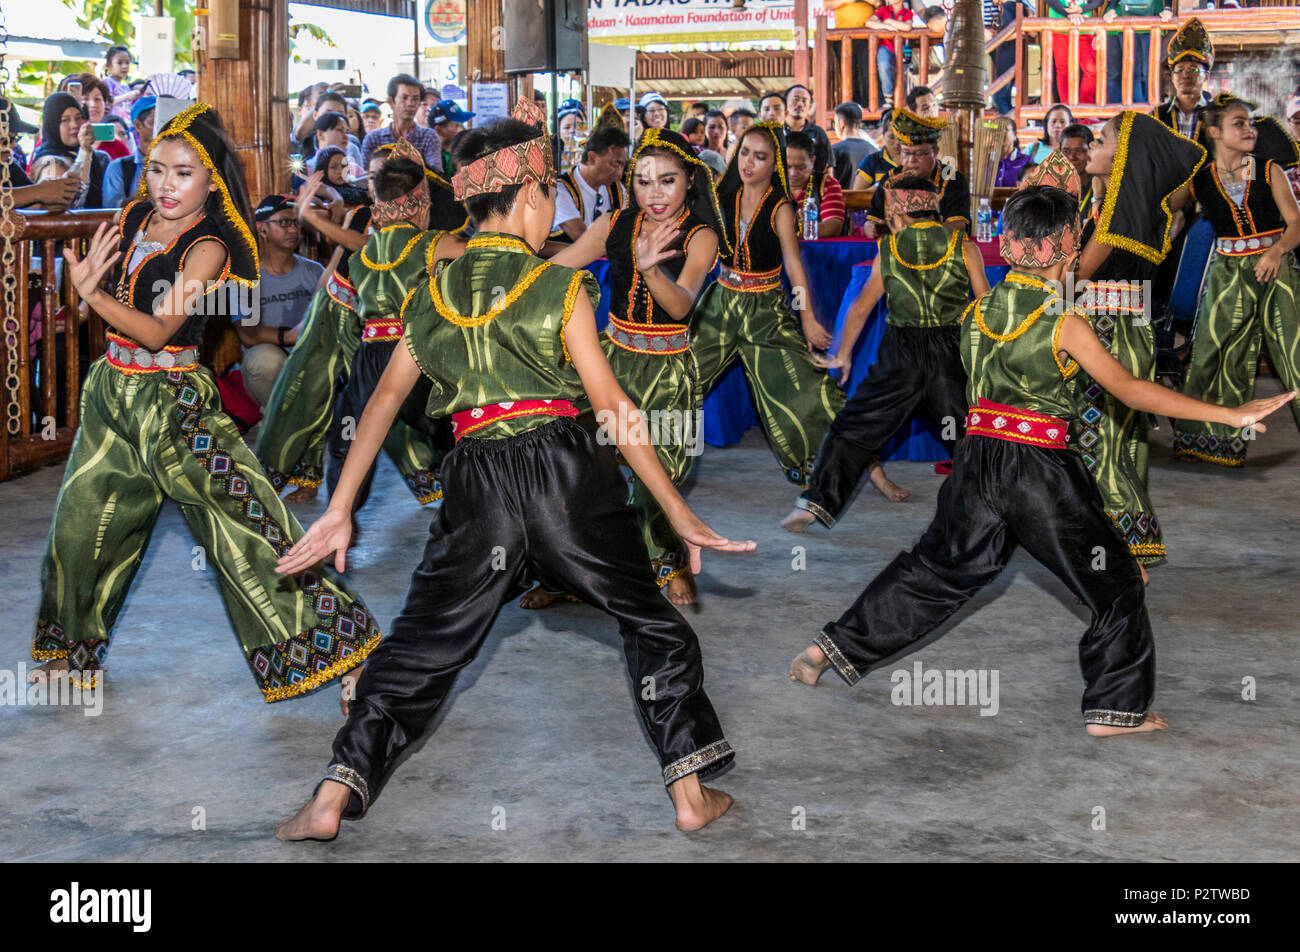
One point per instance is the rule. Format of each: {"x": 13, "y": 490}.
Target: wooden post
{"x": 251, "y": 95}
{"x": 822, "y": 63}
{"x": 801, "y": 72}
{"x": 485, "y": 55}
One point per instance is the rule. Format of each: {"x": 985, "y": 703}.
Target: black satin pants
{"x": 1001, "y": 495}
{"x": 551, "y": 504}
{"x": 417, "y": 464}
{"x": 916, "y": 368}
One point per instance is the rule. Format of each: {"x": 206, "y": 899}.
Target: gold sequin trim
{"x": 570, "y": 299}
{"x": 1207, "y": 458}
{"x": 1027, "y": 323}
{"x": 342, "y": 666}
{"x": 1104, "y": 234}
{"x": 501, "y": 241}
{"x": 376, "y": 266}
{"x": 496, "y": 310}
{"x": 952, "y": 246}
{"x": 1067, "y": 370}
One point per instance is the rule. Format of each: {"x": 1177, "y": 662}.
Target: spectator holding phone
{"x": 95, "y": 99}
{"x": 122, "y": 178}
{"x": 66, "y": 132}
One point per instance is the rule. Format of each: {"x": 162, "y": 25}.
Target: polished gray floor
{"x": 539, "y": 754}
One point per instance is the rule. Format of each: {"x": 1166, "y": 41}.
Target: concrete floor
{"x": 541, "y": 731}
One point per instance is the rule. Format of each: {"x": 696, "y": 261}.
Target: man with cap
{"x": 655, "y": 110}
{"x": 592, "y": 188}
{"x": 448, "y": 120}
{"x": 122, "y": 177}
{"x": 372, "y": 115}
{"x": 1190, "y": 57}
{"x": 571, "y": 113}
{"x": 918, "y": 139}
{"x": 284, "y": 292}
{"x": 851, "y": 146}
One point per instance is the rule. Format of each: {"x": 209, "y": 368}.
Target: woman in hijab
{"x": 66, "y": 132}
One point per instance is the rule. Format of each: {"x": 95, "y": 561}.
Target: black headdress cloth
{"x": 200, "y": 128}
{"x": 730, "y": 182}
{"x": 1151, "y": 163}
{"x": 1271, "y": 142}
{"x": 702, "y": 199}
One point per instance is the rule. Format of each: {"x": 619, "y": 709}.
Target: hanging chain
{"x": 10, "y": 229}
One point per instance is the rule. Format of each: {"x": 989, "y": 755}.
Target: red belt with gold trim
{"x": 467, "y": 421}
{"x": 1018, "y": 426}
{"x": 382, "y": 328}
{"x": 341, "y": 290}
{"x": 131, "y": 358}
{"x": 660, "y": 339}
{"x": 749, "y": 280}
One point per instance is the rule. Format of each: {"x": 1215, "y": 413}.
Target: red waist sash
{"x": 467, "y": 421}
{"x": 1015, "y": 425}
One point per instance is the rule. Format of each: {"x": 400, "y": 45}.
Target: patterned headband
{"x": 905, "y": 201}
{"x": 414, "y": 205}
{"x": 513, "y": 165}
{"x": 1041, "y": 252}
{"x": 1056, "y": 171}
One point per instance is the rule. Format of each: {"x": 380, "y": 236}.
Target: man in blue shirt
{"x": 405, "y": 94}
{"x": 122, "y": 177}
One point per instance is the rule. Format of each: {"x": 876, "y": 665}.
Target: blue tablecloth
{"x": 837, "y": 269}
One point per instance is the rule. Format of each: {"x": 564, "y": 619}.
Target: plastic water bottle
{"x": 984, "y": 221}
{"x": 810, "y": 220}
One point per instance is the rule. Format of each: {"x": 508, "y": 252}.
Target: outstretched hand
{"x": 328, "y": 535}
{"x": 652, "y": 245}
{"x": 86, "y": 273}
{"x": 1249, "y": 414}
{"x": 692, "y": 530}
{"x": 307, "y": 192}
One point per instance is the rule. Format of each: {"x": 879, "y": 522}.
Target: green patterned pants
{"x": 1112, "y": 438}
{"x": 291, "y": 441}
{"x": 1237, "y": 314}
{"x": 666, "y": 390}
{"x": 796, "y": 399}
{"x": 149, "y": 436}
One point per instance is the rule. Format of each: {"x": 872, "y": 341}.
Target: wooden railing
{"x": 1232, "y": 30}
{"x": 36, "y": 430}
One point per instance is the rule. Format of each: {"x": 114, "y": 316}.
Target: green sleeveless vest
{"x": 925, "y": 276}
{"x": 487, "y": 329}
{"x": 392, "y": 262}
{"x": 1009, "y": 348}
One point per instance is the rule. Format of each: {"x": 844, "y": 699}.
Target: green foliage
{"x": 312, "y": 30}
{"x": 114, "y": 20}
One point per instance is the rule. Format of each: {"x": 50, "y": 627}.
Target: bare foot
{"x": 887, "y": 487}
{"x": 302, "y": 494}
{"x": 798, "y": 520}
{"x": 537, "y": 598}
{"x": 682, "y": 590}
{"x": 47, "y": 672}
{"x": 1146, "y": 576}
{"x": 319, "y": 817}
{"x": 1153, "y": 722}
{"x": 808, "y": 667}
{"x": 697, "y": 805}
{"x": 348, "y": 689}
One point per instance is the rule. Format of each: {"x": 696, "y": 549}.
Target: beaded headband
{"x": 1041, "y": 252}
{"x": 911, "y": 129}
{"x": 513, "y": 165}
{"x": 1056, "y": 171}
{"x": 1191, "y": 42}
{"x": 905, "y": 201}
{"x": 414, "y": 205}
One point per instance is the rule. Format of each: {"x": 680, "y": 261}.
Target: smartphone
{"x": 104, "y": 131}
{"x": 74, "y": 90}
{"x": 352, "y": 91}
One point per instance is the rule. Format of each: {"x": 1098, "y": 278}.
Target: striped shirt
{"x": 830, "y": 204}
